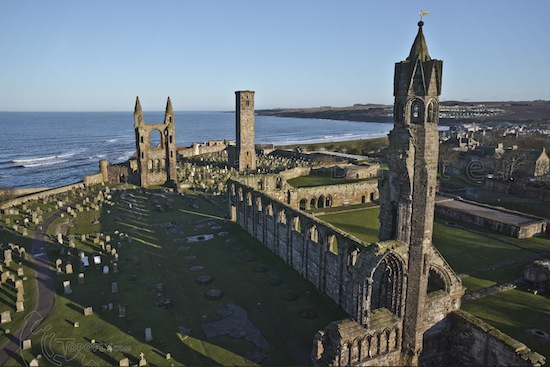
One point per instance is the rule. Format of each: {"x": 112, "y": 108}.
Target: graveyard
{"x": 159, "y": 278}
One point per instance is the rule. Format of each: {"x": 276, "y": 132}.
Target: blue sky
{"x": 98, "y": 55}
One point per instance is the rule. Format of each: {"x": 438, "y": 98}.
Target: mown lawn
{"x": 321, "y": 180}
{"x": 363, "y": 224}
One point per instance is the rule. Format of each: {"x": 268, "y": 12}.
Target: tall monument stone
{"x": 245, "y": 155}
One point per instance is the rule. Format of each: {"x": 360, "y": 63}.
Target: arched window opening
{"x": 387, "y": 285}
{"x": 321, "y": 202}
{"x": 333, "y": 244}
{"x": 279, "y": 183}
{"x": 155, "y": 139}
{"x": 314, "y": 234}
{"x": 303, "y": 204}
{"x": 435, "y": 282}
{"x": 313, "y": 203}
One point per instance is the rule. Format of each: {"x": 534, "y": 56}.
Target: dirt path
{"x": 45, "y": 288}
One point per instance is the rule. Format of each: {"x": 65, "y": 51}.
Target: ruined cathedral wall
{"x": 316, "y": 250}
{"x": 478, "y": 343}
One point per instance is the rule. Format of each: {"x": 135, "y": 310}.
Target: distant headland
{"x": 450, "y": 112}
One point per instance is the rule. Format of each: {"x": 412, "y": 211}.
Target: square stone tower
{"x": 407, "y": 190}
{"x": 156, "y": 162}
{"x": 245, "y": 155}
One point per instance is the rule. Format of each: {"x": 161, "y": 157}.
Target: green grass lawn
{"x": 154, "y": 257}
{"x": 321, "y": 180}
{"x": 363, "y": 224}
{"x": 514, "y": 312}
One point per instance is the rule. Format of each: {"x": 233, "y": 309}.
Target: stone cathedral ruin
{"x": 402, "y": 298}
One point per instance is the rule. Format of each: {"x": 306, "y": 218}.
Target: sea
{"x": 50, "y": 149}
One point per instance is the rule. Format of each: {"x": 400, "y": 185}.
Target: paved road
{"x": 46, "y": 294}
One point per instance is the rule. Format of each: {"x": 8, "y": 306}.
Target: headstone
{"x": 114, "y": 287}
{"x": 108, "y": 248}
{"x": 148, "y": 334}
{"x": 5, "y": 317}
{"x": 58, "y": 262}
{"x": 33, "y": 363}
{"x": 115, "y": 268}
{"x": 69, "y": 268}
{"x": 20, "y": 296}
{"x": 81, "y": 279}
{"x": 7, "y": 257}
{"x": 60, "y": 238}
{"x": 20, "y": 272}
{"x": 76, "y": 324}
{"x": 105, "y": 269}
{"x": 18, "y": 284}
{"x": 124, "y": 362}
{"x": 97, "y": 260}
{"x": 142, "y": 361}
{"x": 121, "y": 311}
{"x": 88, "y": 311}
{"x": 27, "y": 344}
{"x": 168, "y": 356}
{"x": 59, "y": 271}
{"x": 19, "y": 307}
{"x": 67, "y": 287}
{"x": 4, "y": 276}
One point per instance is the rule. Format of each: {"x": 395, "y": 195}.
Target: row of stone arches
{"x": 373, "y": 345}
{"x": 156, "y": 165}
{"x": 320, "y": 202}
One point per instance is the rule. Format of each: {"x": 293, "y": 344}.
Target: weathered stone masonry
{"x": 366, "y": 280}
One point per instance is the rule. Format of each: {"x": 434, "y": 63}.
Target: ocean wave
{"x": 41, "y": 159}
{"x": 111, "y": 140}
{"x": 45, "y": 163}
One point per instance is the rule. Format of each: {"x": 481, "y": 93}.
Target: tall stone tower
{"x": 156, "y": 159}
{"x": 408, "y": 188}
{"x": 245, "y": 155}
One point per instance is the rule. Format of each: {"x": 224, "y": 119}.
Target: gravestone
{"x": 114, "y": 287}
{"x": 5, "y": 317}
{"x": 20, "y": 296}
{"x": 88, "y": 311}
{"x": 20, "y": 272}
{"x": 27, "y": 344}
{"x": 69, "y": 268}
{"x": 59, "y": 271}
{"x": 4, "y": 276}
{"x": 105, "y": 269}
{"x": 148, "y": 334}
{"x": 81, "y": 279}
{"x": 19, "y": 306}
{"x": 7, "y": 257}
{"x": 60, "y": 238}
{"x": 58, "y": 262}
{"x": 115, "y": 268}
{"x": 67, "y": 287}
{"x": 33, "y": 363}
{"x": 121, "y": 311}
{"x": 18, "y": 284}
{"x": 142, "y": 361}
{"x": 124, "y": 362}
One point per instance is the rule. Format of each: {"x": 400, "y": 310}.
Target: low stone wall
{"x": 93, "y": 179}
{"x": 476, "y": 343}
{"x": 203, "y": 148}
{"x": 41, "y": 195}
